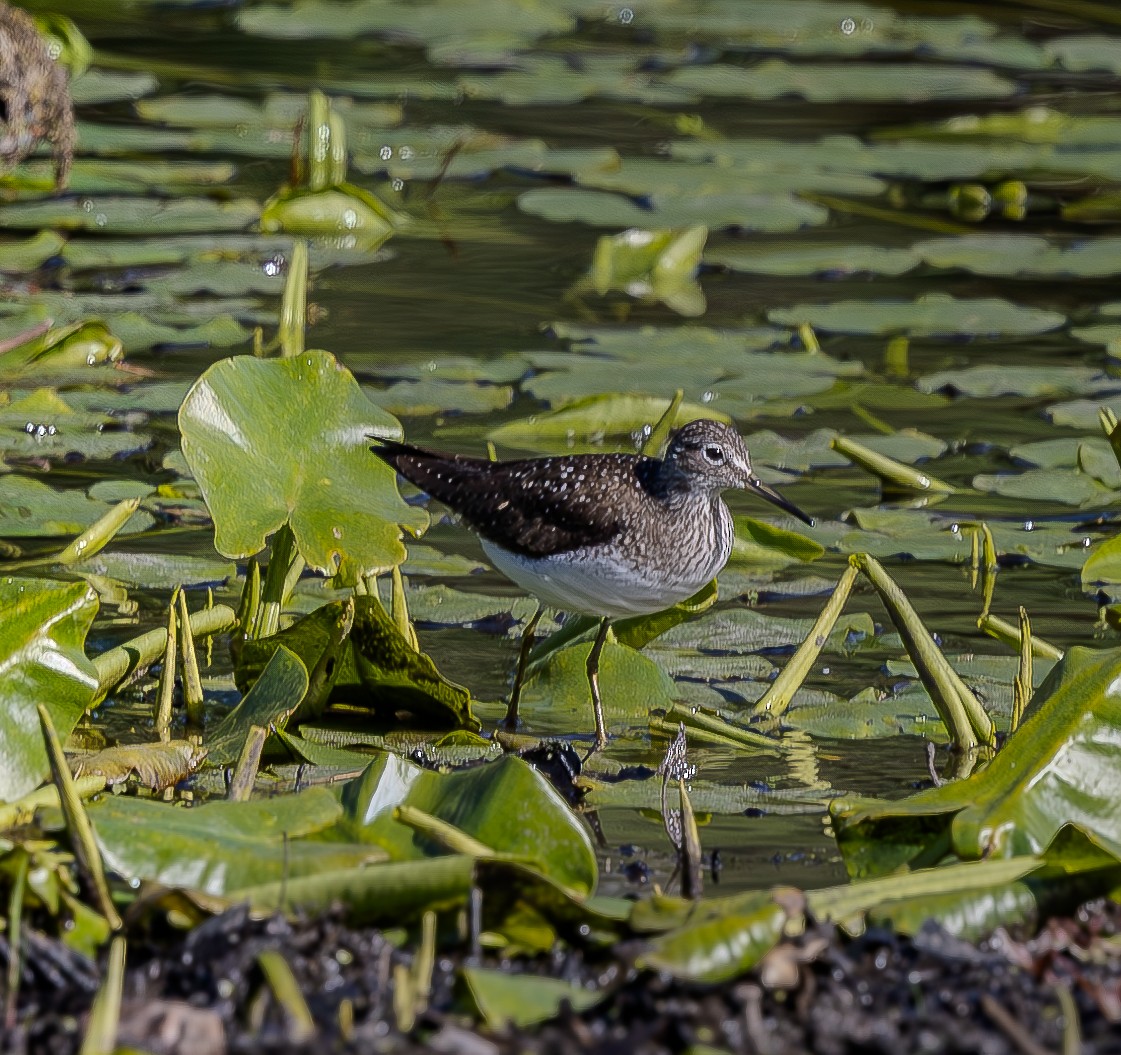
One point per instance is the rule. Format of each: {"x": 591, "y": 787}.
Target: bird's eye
{"x": 715, "y": 455}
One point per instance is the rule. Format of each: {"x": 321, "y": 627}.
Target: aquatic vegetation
{"x": 210, "y": 586}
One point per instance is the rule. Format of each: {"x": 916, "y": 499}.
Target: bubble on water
{"x": 848, "y": 27}
{"x": 406, "y": 153}
{"x": 1029, "y": 525}
{"x": 385, "y": 153}
{"x": 626, "y": 16}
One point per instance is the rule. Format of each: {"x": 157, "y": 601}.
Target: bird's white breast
{"x": 609, "y": 581}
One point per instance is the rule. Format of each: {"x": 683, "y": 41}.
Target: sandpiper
{"x": 606, "y": 535}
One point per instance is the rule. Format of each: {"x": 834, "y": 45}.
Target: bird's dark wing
{"x": 535, "y": 506}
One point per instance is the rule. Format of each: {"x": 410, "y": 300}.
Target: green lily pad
{"x": 287, "y": 441}
{"x": 744, "y": 211}
{"x": 593, "y": 419}
{"x": 29, "y": 508}
{"x": 42, "y": 654}
{"x": 987, "y": 381}
{"x": 652, "y": 265}
{"x": 97, "y": 86}
{"x": 1046, "y": 485}
{"x": 433, "y": 396}
{"x": 271, "y": 701}
{"x": 932, "y": 315}
{"x": 1023, "y": 255}
{"x": 719, "y": 944}
{"x": 522, "y": 1000}
{"x": 819, "y": 82}
{"x": 129, "y": 216}
{"x": 833, "y": 260}
{"x": 222, "y": 847}
{"x": 344, "y": 212}
{"x": 32, "y": 252}
{"x": 477, "y": 801}
{"x": 157, "y": 571}
{"x": 372, "y": 667}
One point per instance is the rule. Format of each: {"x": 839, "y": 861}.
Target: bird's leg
{"x": 593, "y": 681}
{"x": 510, "y": 723}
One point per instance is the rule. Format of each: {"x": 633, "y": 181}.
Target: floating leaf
{"x": 29, "y": 508}
{"x": 932, "y": 315}
{"x": 745, "y": 211}
{"x": 221, "y": 847}
{"x": 129, "y": 216}
{"x": 593, "y": 419}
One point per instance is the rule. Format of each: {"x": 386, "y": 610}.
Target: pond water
{"x": 934, "y": 194}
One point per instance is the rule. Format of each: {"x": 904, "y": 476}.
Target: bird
{"x": 603, "y": 535}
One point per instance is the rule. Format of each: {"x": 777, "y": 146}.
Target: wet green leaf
{"x": 818, "y": 82}
{"x": 157, "y": 571}
{"x": 557, "y": 697}
{"x": 1022, "y": 255}
{"x": 833, "y": 260}
{"x": 522, "y": 1000}
{"x": 987, "y": 381}
{"x": 287, "y": 441}
{"x": 132, "y": 216}
{"x": 343, "y": 212}
{"x": 389, "y": 894}
{"x": 1046, "y": 485}
{"x": 43, "y": 661}
{"x": 272, "y": 700}
{"x": 652, "y": 265}
{"x": 432, "y": 396}
{"x": 759, "y": 543}
{"x": 476, "y": 801}
{"x": 398, "y": 678}
{"x": 722, "y": 941}
{"x": 221, "y": 847}
{"x": 374, "y": 667}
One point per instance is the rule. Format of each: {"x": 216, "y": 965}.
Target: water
{"x": 478, "y": 278}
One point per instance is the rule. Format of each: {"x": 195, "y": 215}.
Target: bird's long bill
{"x": 771, "y": 495}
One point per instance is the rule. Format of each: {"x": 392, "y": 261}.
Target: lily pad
{"x": 542, "y": 830}
{"x": 221, "y": 847}
{"x": 271, "y": 701}
{"x": 594, "y": 419}
{"x": 932, "y": 315}
{"x": 29, "y": 508}
{"x": 287, "y": 441}
{"x": 43, "y": 659}
{"x": 818, "y": 82}
{"x": 128, "y": 216}
{"x": 744, "y": 211}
